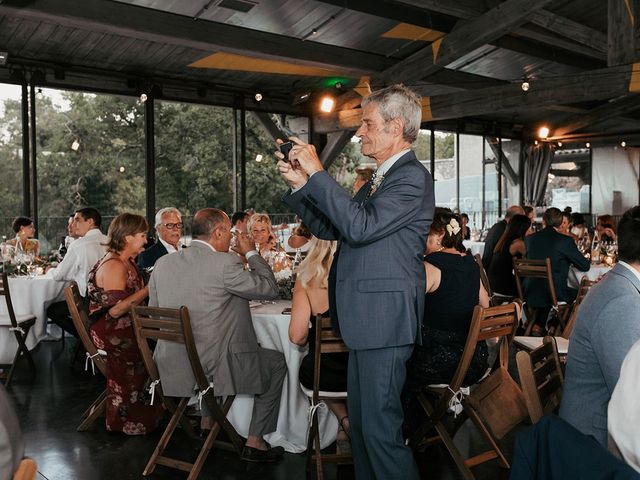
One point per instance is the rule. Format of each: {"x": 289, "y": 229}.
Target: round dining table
{"x": 595, "y": 272}
{"x": 29, "y": 295}
{"x": 272, "y": 330}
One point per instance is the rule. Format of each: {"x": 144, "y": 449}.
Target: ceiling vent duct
{"x": 238, "y": 5}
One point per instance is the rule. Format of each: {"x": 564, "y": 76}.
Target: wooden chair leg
{"x": 204, "y": 452}
{"x": 166, "y": 436}
{"x": 318, "y": 449}
{"x": 95, "y": 411}
{"x": 457, "y": 457}
{"x": 495, "y": 452}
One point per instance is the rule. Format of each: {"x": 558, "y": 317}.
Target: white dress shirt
{"x": 81, "y": 256}
{"x": 170, "y": 248}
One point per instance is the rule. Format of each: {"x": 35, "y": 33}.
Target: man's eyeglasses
{"x": 172, "y": 226}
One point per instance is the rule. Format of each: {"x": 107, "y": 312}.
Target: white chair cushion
{"x": 531, "y": 343}
{"x": 5, "y": 321}
{"x": 309, "y": 393}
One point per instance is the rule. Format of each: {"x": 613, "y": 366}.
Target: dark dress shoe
{"x": 273, "y": 454}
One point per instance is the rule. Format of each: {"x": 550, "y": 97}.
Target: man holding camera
{"x": 377, "y": 280}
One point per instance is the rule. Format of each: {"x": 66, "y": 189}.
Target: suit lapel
{"x": 624, "y": 271}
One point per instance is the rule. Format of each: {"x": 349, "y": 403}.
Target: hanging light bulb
{"x": 588, "y": 145}
{"x": 143, "y": 97}
{"x": 121, "y": 169}
{"x": 623, "y": 144}
{"x": 327, "y": 104}
{"x": 536, "y": 142}
{"x": 259, "y": 157}
{"x": 75, "y": 145}
{"x": 559, "y": 144}
{"x": 258, "y": 97}
{"x": 525, "y": 85}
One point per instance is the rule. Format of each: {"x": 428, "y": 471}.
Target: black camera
{"x": 285, "y": 148}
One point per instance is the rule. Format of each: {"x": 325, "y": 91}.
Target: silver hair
{"x": 398, "y": 101}
{"x": 164, "y": 211}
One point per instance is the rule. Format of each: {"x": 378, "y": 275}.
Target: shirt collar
{"x": 626, "y": 265}
{"x": 170, "y": 248}
{"x": 204, "y": 243}
{"x": 389, "y": 162}
{"x": 93, "y": 232}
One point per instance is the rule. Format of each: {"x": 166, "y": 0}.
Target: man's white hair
{"x": 164, "y": 211}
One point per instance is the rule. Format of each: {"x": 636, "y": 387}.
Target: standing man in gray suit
{"x": 607, "y": 326}
{"x": 377, "y": 280}
{"x": 216, "y": 288}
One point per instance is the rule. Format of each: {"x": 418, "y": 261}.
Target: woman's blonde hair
{"x": 259, "y": 217}
{"x": 123, "y": 225}
{"x": 314, "y": 269}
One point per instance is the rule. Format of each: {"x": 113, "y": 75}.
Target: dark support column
{"x": 591, "y": 182}
{"x": 234, "y": 161}
{"x": 26, "y": 156}
{"x": 243, "y": 159}
{"x": 432, "y": 152}
{"x": 458, "y": 170}
{"x": 33, "y": 146}
{"x": 484, "y": 179}
{"x": 521, "y": 173}
{"x": 150, "y": 158}
{"x": 500, "y": 177}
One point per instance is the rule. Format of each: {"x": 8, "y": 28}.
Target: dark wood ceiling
{"x": 466, "y": 57}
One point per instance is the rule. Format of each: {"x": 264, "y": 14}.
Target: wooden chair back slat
{"x": 526, "y": 268}
{"x": 6, "y": 293}
{"x": 541, "y": 378}
{"x": 585, "y": 285}
{"x": 484, "y": 278}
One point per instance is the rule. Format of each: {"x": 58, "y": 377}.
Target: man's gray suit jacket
{"x": 607, "y": 326}
{"x": 216, "y": 288}
{"x": 380, "y": 272}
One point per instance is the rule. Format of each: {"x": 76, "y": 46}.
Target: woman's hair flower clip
{"x": 453, "y": 227}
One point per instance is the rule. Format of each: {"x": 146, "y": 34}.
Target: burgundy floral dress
{"x": 128, "y": 402}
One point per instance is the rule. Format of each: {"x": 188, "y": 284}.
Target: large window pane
{"x": 10, "y": 156}
{"x": 490, "y": 180}
{"x": 445, "y": 170}
{"x": 194, "y": 157}
{"x": 90, "y": 152}
{"x": 471, "y": 179}
{"x": 510, "y": 173}
{"x": 569, "y": 180}
{"x": 422, "y": 148}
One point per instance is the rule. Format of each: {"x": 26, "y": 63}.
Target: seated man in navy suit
{"x": 169, "y": 228}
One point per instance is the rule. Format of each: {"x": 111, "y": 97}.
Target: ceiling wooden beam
{"x": 269, "y": 126}
{"x": 335, "y": 144}
{"x": 476, "y": 32}
{"x": 621, "y": 31}
{"x": 612, "y": 109}
{"x": 156, "y": 26}
{"x": 595, "y": 40}
{"x": 593, "y": 85}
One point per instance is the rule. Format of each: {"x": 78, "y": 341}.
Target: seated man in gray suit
{"x": 608, "y": 324}
{"x": 216, "y": 288}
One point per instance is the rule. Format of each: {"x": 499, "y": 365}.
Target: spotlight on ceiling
{"x": 525, "y": 86}
{"x": 327, "y": 104}
{"x": 588, "y": 145}
{"x": 258, "y": 97}
{"x": 623, "y": 144}
{"x": 543, "y": 132}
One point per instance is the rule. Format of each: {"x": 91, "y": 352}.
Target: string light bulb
{"x": 525, "y": 85}
{"x": 143, "y": 97}
{"x": 588, "y": 145}
{"x": 327, "y": 104}
{"x": 559, "y": 144}
{"x": 623, "y": 144}
{"x": 258, "y": 97}
{"x": 75, "y": 145}
{"x": 259, "y": 157}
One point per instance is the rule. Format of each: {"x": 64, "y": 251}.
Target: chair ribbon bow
{"x": 312, "y": 411}
{"x": 91, "y": 357}
{"x": 17, "y": 329}
{"x": 455, "y": 402}
{"x": 202, "y": 394}
{"x": 152, "y": 389}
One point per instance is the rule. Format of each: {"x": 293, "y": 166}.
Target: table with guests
{"x": 391, "y": 270}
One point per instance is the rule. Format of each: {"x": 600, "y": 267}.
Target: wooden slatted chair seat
{"x": 541, "y": 379}
{"x": 326, "y": 342}
{"x": 19, "y": 325}
{"x": 494, "y": 405}
{"x": 80, "y": 317}
{"x": 562, "y": 341}
{"x": 174, "y": 325}
{"x": 539, "y": 269}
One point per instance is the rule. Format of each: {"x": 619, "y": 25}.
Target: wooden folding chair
{"x": 538, "y": 269}
{"x": 541, "y": 379}
{"x": 174, "y": 325}
{"x": 326, "y": 342}
{"x": 494, "y": 406}
{"x": 80, "y": 318}
{"x": 20, "y": 326}
{"x": 562, "y": 341}
{"x": 494, "y": 298}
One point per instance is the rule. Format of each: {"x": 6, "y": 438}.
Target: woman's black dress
{"x": 333, "y": 366}
{"x": 447, "y": 318}
{"x": 501, "y": 277}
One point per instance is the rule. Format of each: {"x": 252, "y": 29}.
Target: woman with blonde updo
{"x": 260, "y": 229}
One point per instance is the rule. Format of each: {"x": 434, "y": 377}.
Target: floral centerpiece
{"x": 281, "y": 265}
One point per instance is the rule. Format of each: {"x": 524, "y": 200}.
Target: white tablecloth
{"x": 475, "y": 247}
{"x": 272, "y": 330}
{"x": 594, "y": 273}
{"x": 29, "y": 295}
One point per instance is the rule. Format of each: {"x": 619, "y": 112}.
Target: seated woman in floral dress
{"x": 452, "y": 292}
{"x": 115, "y": 283}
